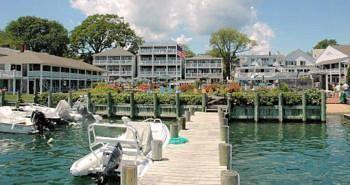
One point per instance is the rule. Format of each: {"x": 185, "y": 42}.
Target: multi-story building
{"x": 30, "y": 72}
{"x": 258, "y": 68}
{"x": 333, "y": 64}
{"x": 296, "y": 64}
{"x": 204, "y": 67}
{"x": 159, "y": 61}
{"x": 119, "y": 64}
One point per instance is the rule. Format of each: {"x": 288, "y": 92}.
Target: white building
{"x": 333, "y": 63}
{"x": 159, "y": 61}
{"x": 30, "y": 72}
{"x": 204, "y": 67}
{"x": 119, "y": 64}
{"x": 297, "y": 64}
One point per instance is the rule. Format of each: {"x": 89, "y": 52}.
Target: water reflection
{"x": 293, "y": 153}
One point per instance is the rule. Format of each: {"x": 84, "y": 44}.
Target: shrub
{"x": 166, "y": 98}
{"x": 268, "y": 98}
{"x": 292, "y": 98}
{"x": 232, "y": 87}
{"x": 143, "y": 98}
{"x": 190, "y": 99}
{"x": 186, "y": 87}
{"x": 243, "y": 98}
{"x": 313, "y": 97}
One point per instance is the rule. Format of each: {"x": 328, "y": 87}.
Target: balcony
{"x": 159, "y": 62}
{"x": 201, "y": 65}
{"x": 6, "y": 74}
{"x": 203, "y": 75}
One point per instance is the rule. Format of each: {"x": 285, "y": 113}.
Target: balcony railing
{"x": 203, "y": 75}
{"x": 203, "y": 65}
{"x": 113, "y": 62}
{"x": 160, "y": 62}
{"x": 10, "y": 74}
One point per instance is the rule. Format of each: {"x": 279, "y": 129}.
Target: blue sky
{"x": 293, "y": 24}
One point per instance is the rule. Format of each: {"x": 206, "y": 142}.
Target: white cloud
{"x": 159, "y": 19}
{"x": 182, "y": 39}
{"x": 262, "y": 34}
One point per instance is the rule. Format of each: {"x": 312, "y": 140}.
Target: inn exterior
{"x": 204, "y": 67}
{"x": 119, "y": 64}
{"x": 30, "y": 72}
{"x": 159, "y": 62}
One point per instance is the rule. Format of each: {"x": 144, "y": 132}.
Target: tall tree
{"x": 188, "y": 51}
{"x": 227, "y": 43}
{"x": 323, "y": 44}
{"x": 39, "y": 34}
{"x": 99, "y": 32}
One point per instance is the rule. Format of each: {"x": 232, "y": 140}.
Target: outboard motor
{"x": 40, "y": 122}
{"x": 111, "y": 161}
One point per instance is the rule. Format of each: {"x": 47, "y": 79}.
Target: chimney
{"x": 23, "y": 48}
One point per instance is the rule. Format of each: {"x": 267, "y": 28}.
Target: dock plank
{"x": 196, "y": 162}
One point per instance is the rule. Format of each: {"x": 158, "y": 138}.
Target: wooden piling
{"x": 280, "y": 108}
{"x": 225, "y": 133}
{"x": 191, "y": 109}
{"x": 89, "y": 103}
{"x": 182, "y": 123}
{"x": 303, "y": 101}
{"x": 229, "y": 177}
{"x": 70, "y": 100}
{"x": 256, "y": 108}
{"x": 2, "y": 98}
{"x": 225, "y": 155}
{"x": 229, "y": 104}
{"x": 178, "y": 105}
{"x": 323, "y": 106}
{"x": 174, "y": 130}
{"x": 49, "y": 99}
{"x": 132, "y": 105}
{"x": 204, "y": 102}
{"x": 129, "y": 174}
{"x": 188, "y": 116}
{"x": 156, "y": 106}
{"x": 109, "y": 105}
{"x": 157, "y": 150}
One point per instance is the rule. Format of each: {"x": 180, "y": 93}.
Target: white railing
{"x": 203, "y": 75}
{"x": 10, "y": 74}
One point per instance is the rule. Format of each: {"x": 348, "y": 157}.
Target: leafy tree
{"x": 227, "y": 43}
{"x": 188, "y": 51}
{"x": 7, "y": 41}
{"x": 323, "y": 44}
{"x": 39, "y": 34}
{"x": 99, "y": 32}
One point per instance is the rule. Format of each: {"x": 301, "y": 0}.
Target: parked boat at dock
{"x": 133, "y": 145}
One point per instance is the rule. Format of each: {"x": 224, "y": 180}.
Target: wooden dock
{"x": 193, "y": 163}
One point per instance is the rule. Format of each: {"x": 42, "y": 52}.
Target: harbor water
{"x": 272, "y": 153}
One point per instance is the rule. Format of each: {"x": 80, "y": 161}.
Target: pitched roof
{"x": 297, "y": 53}
{"x": 7, "y": 51}
{"x": 342, "y": 48}
{"x": 114, "y": 52}
{"x": 202, "y": 57}
{"x": 30, "y": 57}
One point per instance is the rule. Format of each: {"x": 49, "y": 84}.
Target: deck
{"x": 193, "y": 163}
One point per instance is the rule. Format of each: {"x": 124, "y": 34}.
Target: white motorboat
{"x": 12, "y": 121}
{"x": 133, "y": 145}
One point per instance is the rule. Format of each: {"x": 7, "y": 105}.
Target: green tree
{"x": 41, "y": 35}
{"x": 323, "y": 44}
{"x": 7, "y": 41}
{"x": 227, "y": 43}
{"x": 99, "y": 32}
{"x": 188, "y": 51}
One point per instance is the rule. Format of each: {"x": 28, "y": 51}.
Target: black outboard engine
{"x": 41, "y": 123}
{"x": 111, "y": 161}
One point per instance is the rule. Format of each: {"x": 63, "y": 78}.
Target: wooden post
{"x": 188, "y": 116}
{"x": 129, "y": 174}
{"x": 204, "y": 102}
{"x": 2, "y": 98}
{"x": 109, "y": 105}
{"x": 191, "y": 109}
{"x": 303, "y": 101}
{"x": 89, "y": 104}
{"x": 157, "y": 150}
{"x": 182, "y": 123}
{"x": 70, "y": 100}
{"x": 49, "y": 99}
{"x": 155, "y": 106}
{"x": 323, "y": 106}
{"x": 174, "y": 130}
{"x": 280, "y": 108}
{"x": 225, "y": 133}
{"x": 221, "y": 116}
{"x": 256, "y": 108}
{"x": 132, "y": 105}
{"x": 229, "y": 177}
{"x": 225, "y": 155}
{"x": 178, "y": 105}
{"x": 229, "y": 104}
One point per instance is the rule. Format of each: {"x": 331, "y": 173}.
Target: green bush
{"x": 143, "y": 98}
{"x": 166, "y": 99}
{"x": 190, "y": 99}
{"x": 243, "y": 98}
{"x": 313, "y": 97}
{"x": 292, "y": 98}
{"x": 268, "y": 98}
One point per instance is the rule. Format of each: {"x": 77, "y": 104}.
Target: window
{"x": 46, "y": 68}
{"x": 302, "y": 63}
